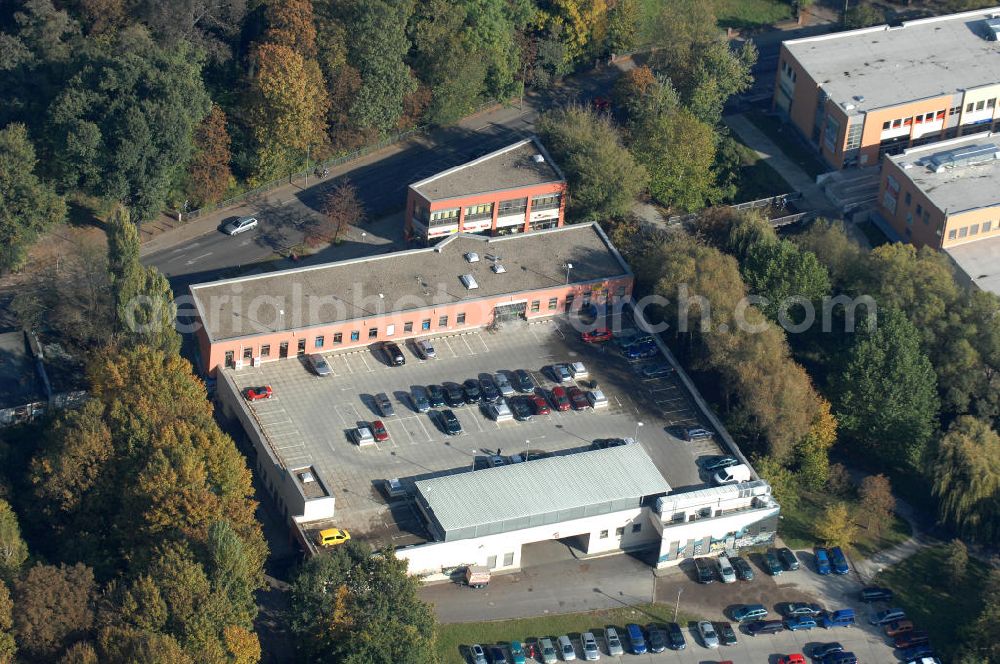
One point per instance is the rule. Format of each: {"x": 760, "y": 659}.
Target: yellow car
{"x": 332, "y": 537}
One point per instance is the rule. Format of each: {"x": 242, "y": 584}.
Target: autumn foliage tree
{"x": 877, "y": 502}
{"x": 54, "y": 607}
{"x": 342, "y": 208}
{"x": 836, "y": 527}
{"x": 209, "y": 172}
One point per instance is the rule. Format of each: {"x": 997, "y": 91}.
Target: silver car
{"x": 240, "y": 225}
{"x": 503, "y": 384}
{"x": 591, "y": 652}
{"x": 478, "y": 654}
{"x": 566, "y": 649}
{"x": 319, "y": 365}
{"x": 614, "y": 643}
{"x": 548, "y": 652}
{"x": 708, "y": 636}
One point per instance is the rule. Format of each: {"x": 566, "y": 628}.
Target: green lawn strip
{"x": 452, "y": 637}
{"x": 797, "y": 523}
{"x": 783, "y": 135}
{"x": 751, "y": 13}
{"x": 932, "y": 601}
{"x": 757, "y": 178}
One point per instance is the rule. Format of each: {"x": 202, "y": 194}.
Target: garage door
{"x": 510, "y": 311}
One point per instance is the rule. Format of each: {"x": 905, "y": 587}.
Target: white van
{"x": 733, "y": 474}
{"x": 726, "y": 570}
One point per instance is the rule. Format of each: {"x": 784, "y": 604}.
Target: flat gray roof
{"x": 957, "y": 189}
{"x": 888, "y": 66}
{"x": 540, "y": 492}
{"x": 980, "y": 260}
{"x": 408, "y": 280}
{"x": 507, "y": 168}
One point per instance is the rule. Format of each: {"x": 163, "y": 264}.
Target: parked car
{"x": 499, "y": 412}
{"x": 566, "y": 648}
{"x": 541, "y": 406}
{"x": 657, "y": 370}
{"x": 598, "y": 336}
{"x": 843, "y": 657}
{"x": 561, "y": 373}
{"x": 802, "y": 609}
{"x": 794, "y": 658}
{"x": 876, "y": 594}
{"x": 426, "y": 349}
{"x": 517, "y": 655}
{"x": 715, "y": 464}
{"x": 633, "y": 338}
{"x": 887, "y": 616}
{"x": 495, "y": 461}
{"x": 496, "y": 654}
{"x": 822, "y": 558}
{"x": 771, "y": 563}
{"x": 522, "y": 408}
{"x": 473, "y": 393}
{"x": 798, "y": 623}
{"x": 726, "y": 571}
{"x": 838, "y": 561}
{"x": 363, "y": 436}
{"x": 821, "y": 650}
{"x": 743, "y": 570}
{"x": 240, "y": 225}
{"x": 478, "y": 654}
{"x": 709, "y": 638}
{"x": 675, "y": 636}
{"x": 523, "y": 382}
{"x": 503, "y": 384}
{"x": 421, "y": 403}
{"x": 727, "y": 635}
{"x": 656, "y": 640}
{"x": 383, "y": 405}
{"x": 898, "y": 628}
{"x": 559, "y": 398}
{"x": 749, "y": 612}
{"x": 394, "y": 488}
{"x": 379, "y": 431}
{"x": 917, "y": 651}
{"x": 733, "y": 475}
{"x": 765, "y": 627}
{"x": 605, "y": 443}
{"x": 258, "y": 393}
{"x": 636, "y": 639}
{"x": 578, "y": 398}
{"x": 436, "y": 396}
{"x": 641, "y": 351}
{"x": 591, "y": 652}
{"x": 547, "y": 651}
{"x": 579, "y": 370}
{"x": 613, "y": 643}
{"x": 597, "y": 399}
{"x": 490, "y": 391}
{"x": 450, "y": 423}
{"x": 319, "y": 365}
{"x": 454, "y": 395}
{"x": 788, "y": 559}
{"x": 703, "y": 570}
{"x": 839, "y": 618}
{"x": 697, "y": 433}
{"x": 911, "y": 639}
{"x": 332, "y": 537}
{"x": 393, "y": 353}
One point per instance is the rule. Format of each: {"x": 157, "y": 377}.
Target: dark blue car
{"x": 839, "y": 561}
{"x": 640, "y": 351}
{"x": 822, "y": 561}
{"x": 916, "y": 652}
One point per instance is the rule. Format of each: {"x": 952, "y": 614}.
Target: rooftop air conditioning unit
{"x": 306, "y": 477}
{"x": 469, "y": 281}
{"x": 472, "y": 257}
{"x": 538, "y": 159}
{"x": 498, "y": 268}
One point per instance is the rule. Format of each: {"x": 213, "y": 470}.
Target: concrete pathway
{"x": 772, "y": 155}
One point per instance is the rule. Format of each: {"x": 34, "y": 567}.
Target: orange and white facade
{"x": 516, "y": 189}
{"x": 859, "y": 95}
{"x": 402, "y": 295}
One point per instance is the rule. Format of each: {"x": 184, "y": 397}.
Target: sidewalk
{"x": 812, "y": 194}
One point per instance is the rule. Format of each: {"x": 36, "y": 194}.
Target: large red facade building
{"x": 513, "y": 190}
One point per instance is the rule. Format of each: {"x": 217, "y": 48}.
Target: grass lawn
{"x": 757, "y": 178}
{"x": 797, "y": 527}
{"x": 785, "y": 138}
{"x": 751, "y": 13}
{"x": 932, "y": 600}
{"x": 452, "y": 637}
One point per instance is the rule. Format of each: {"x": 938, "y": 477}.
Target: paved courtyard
{"x": 309, "y": 420}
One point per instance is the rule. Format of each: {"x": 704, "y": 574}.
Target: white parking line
{"x": 448, "y": 344}
{"x": 483, "y": 342}
{"x": 466, "y": 342}
{"x": 365, "y": 362}
{"x": 420, "y": 421}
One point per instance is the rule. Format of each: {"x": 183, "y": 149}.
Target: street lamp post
{"x": 637, "y": 425}
{"x": 569, "y": 266}
{"x": 677, "y": 606}
{"x": 527, "y": 446}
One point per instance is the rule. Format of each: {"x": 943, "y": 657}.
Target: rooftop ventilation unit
{"x": 967, "y": 156}
{"x": 498, "y": 268}
{"x": 538, "y": 159}
{"x": 472, "y": 257}
{"x": 992, "y": 28}
{"x": 306, "y": 477}
{"x": 469, "y": 281}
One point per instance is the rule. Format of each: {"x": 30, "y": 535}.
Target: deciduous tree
{"x": 836, "y": 527}
{"x": 13, "y": 550}
{"x": 678, "y": 152}
{"x": 209, "y": 171}
{"x": 378, "y": 48}
{"x": 877, "y": 502}
{"x": 342, "y": 208}
{"x": 54, "y": 608}
{"x": 8, "y": 647}
{"x": 27, "y": 205}
{"x": 784, "y": 485}
{"x": 966, "y": 479}
{"x": 956, "y": 562}
{"x": 623, "y": 25}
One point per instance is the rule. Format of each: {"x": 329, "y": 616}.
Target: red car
{"x": 559, "y": 398}
{"x": 255, "y": 393}
{"x": 794, "y": 658}
{"x": 598, "y": 336}
{"x": 578, "y": 398}
{"x": 541, "y": 406}
{"x": 379, "y": 431}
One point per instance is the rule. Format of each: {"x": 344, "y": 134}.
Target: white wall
{"x": 717, "y": 528}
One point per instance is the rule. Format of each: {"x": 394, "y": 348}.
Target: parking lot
{"x": 309, "y": 419}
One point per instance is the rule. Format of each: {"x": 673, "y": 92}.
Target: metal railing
{"x": 779, "y": 201}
